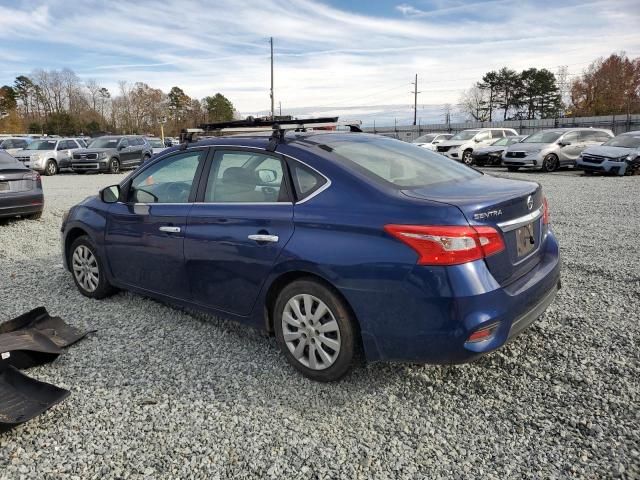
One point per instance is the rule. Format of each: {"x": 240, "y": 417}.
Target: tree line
{"x": 58, "y": 102}
{"x": 608, "y": 86}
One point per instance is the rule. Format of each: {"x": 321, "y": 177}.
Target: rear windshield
{"x": 394, "y": 162}
{"x": 502, "y": 141}
{"x": 104, "y": 143}
{"x": 626, "y": 141}
{"x": 156, "y": 143}
{"x": 42, "y": 145}
{"x": 464, "y": 135}
{"x": 543, "y": 137}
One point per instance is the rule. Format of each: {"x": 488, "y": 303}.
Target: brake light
{"x": 448, "y": 245}
{"x": 546, "y": 215}
{"x": 31, "y": 176}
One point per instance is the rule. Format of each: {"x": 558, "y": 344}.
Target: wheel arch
{"x": 286, "y": 278}
{"x": 72, "y": 235}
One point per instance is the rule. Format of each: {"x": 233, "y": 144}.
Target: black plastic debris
{"x": 22, "y": 397}
{"x": 60, "y": 332}
{"x": 27, "y": 348}
{"x": 34, "y": 338}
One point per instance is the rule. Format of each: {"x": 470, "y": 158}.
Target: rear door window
{"x": 497, "y": 133}
{"x": 306, "y": 181}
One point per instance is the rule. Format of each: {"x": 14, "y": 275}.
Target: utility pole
{"x": 415, "y": 100}
{"x": 280, "y": 108}
{"x": 272, "y": 109}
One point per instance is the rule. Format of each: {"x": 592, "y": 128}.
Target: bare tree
{"x": 474, "y": 103}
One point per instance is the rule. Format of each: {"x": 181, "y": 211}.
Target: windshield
{"x": 104, "y": 143}
{"x": 501, "y": 141}
{"x": 6, "y": 159}
{"x": 543, "y": 137}
{"x": 428, "y": 138}
{"x": 626, "y": 141}
{"x": 156, "y": 143}
{"x": 395, "y": 162}
{"x": 42, "y": 145}
{"x": 464, "y": 135}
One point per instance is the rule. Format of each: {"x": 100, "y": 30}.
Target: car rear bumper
{"x": 607, "y": 166}
{"x": 26, "y": 203}
{"x": 430, "y": 320}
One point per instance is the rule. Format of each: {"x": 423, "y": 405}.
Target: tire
{"x": 550, "y": 163}
{"x": 632, "y": 169}
{"x": 145, "y": 159}
{"x": 87, "y": 269}
{"x": 114, "y": 165}
{"x": 51, "y": 168}
{"x": 467, "y": 158}
{"x": 334, "y": 346}
{"x": 513, "y": 169}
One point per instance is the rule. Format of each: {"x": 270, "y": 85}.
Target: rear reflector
{"x": 482, "y": 334}
{"x": 448, "y": 245}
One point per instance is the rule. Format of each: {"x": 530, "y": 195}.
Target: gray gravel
{"x": 160, "y": 393}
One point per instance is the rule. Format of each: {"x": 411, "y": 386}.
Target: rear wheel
{"x": 467, "y": 159}
{"x": 315, "y": 330}
{"x": 513, "y": 169}
{"x": 550, "y": 163}
{"x": 87, "y": 269}
{"x": 51, "y": 168}
{"x": 114, "y": 165}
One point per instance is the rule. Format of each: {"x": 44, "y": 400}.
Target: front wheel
{"x": 315, "y": 330}
{"x": 114, "y": 165}
{"x": 550, "y": 163}
{"x": 467, "y": 159}
{"x": 51, "y": 168}
{"x": 88, "y": 270}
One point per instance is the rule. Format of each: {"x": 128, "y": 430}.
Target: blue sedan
{"x": 340, "y": 244}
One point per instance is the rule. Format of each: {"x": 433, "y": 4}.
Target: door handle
{"x": 263, "y": 238}
{"x": 170, "y": 229}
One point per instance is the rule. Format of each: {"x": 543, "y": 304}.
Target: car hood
{"x": 94, "y": 150}
{"x": 490, "y": 148}
{"x": 610, "y": 152}
{"x": 527, "y": 147}
{"x": 452, "y": 143}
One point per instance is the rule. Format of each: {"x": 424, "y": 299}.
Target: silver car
{"x": 13, "y": 145}
{"x": 49, "y": 155}
{"x": 430, "y": 140}
{"x": 551, "y": 149}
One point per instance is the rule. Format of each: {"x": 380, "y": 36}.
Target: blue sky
{"x": 330, "y": 55}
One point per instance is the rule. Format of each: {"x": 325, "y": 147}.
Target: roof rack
{"x": 278, "y": 126}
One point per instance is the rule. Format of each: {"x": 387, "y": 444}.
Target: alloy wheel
{"x": 466, "y": 157}
{"x": 85, "y": 268}
{"x": 311, "y": 332}
{"x": 114, "y": 166}
{"x": 51, "y": 168}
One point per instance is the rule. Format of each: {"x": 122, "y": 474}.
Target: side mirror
{"x": 267, "y": 176}
{"x": 564, "y": 144}
{"x": 110, "y": 194}
{"x": 436, "y": 141}
{"x": 121, "y": 147}
{"x": 477, "y": 140}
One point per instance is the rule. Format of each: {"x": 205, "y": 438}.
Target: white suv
{"x": 460, "y": 147}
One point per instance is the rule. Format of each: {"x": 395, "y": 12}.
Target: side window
{"x": 245, "y": 177}
{"x": 124, "y": 143}
{"x": 305, "y": 180}
{"x": 482, "y": 136}
{"x": 508, "y": 133}
{"x": 168, "y": 181}
{"x": 497, "y": 133}
{"x": 571, "y": 137}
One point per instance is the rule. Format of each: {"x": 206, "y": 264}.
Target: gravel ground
{"x": 160, "y": 393}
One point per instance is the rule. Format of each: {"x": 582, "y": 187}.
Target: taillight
{"x": 545, "y": 211}
{"x": 448, "y": 245}
{"x": 31, "y": 176}
{"x": 483, "y": 334}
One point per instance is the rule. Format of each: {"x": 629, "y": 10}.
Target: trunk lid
{"x": 14, "y": 180}
{"x": 499, "y": 203}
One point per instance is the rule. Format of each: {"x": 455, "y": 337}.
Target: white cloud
{"x": 325, "y": 56}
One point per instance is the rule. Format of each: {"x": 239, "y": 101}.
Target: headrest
{"x": 238, "y": 175}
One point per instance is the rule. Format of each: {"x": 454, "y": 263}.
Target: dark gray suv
{"x": 112, "y": 154}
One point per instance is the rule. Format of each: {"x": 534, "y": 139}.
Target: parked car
{"x": 551, "y": 149}
{"x": 111, "y": 154}
{"x": 335, "y": 242}
{"x": 49, "y": 155}
{"x": 492, "y": 153}
{"x": 13, "y": 145}
{"x": 20, "y": 189}
{"x": 620, "y": 156}
{"x": 430, "y": 140}
{"x": 157, "y": 145}
{"x": 462, "y": 145}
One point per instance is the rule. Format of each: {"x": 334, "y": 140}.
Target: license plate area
{"x": 4, "y": 187}
{"x": 525, "y": 240}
